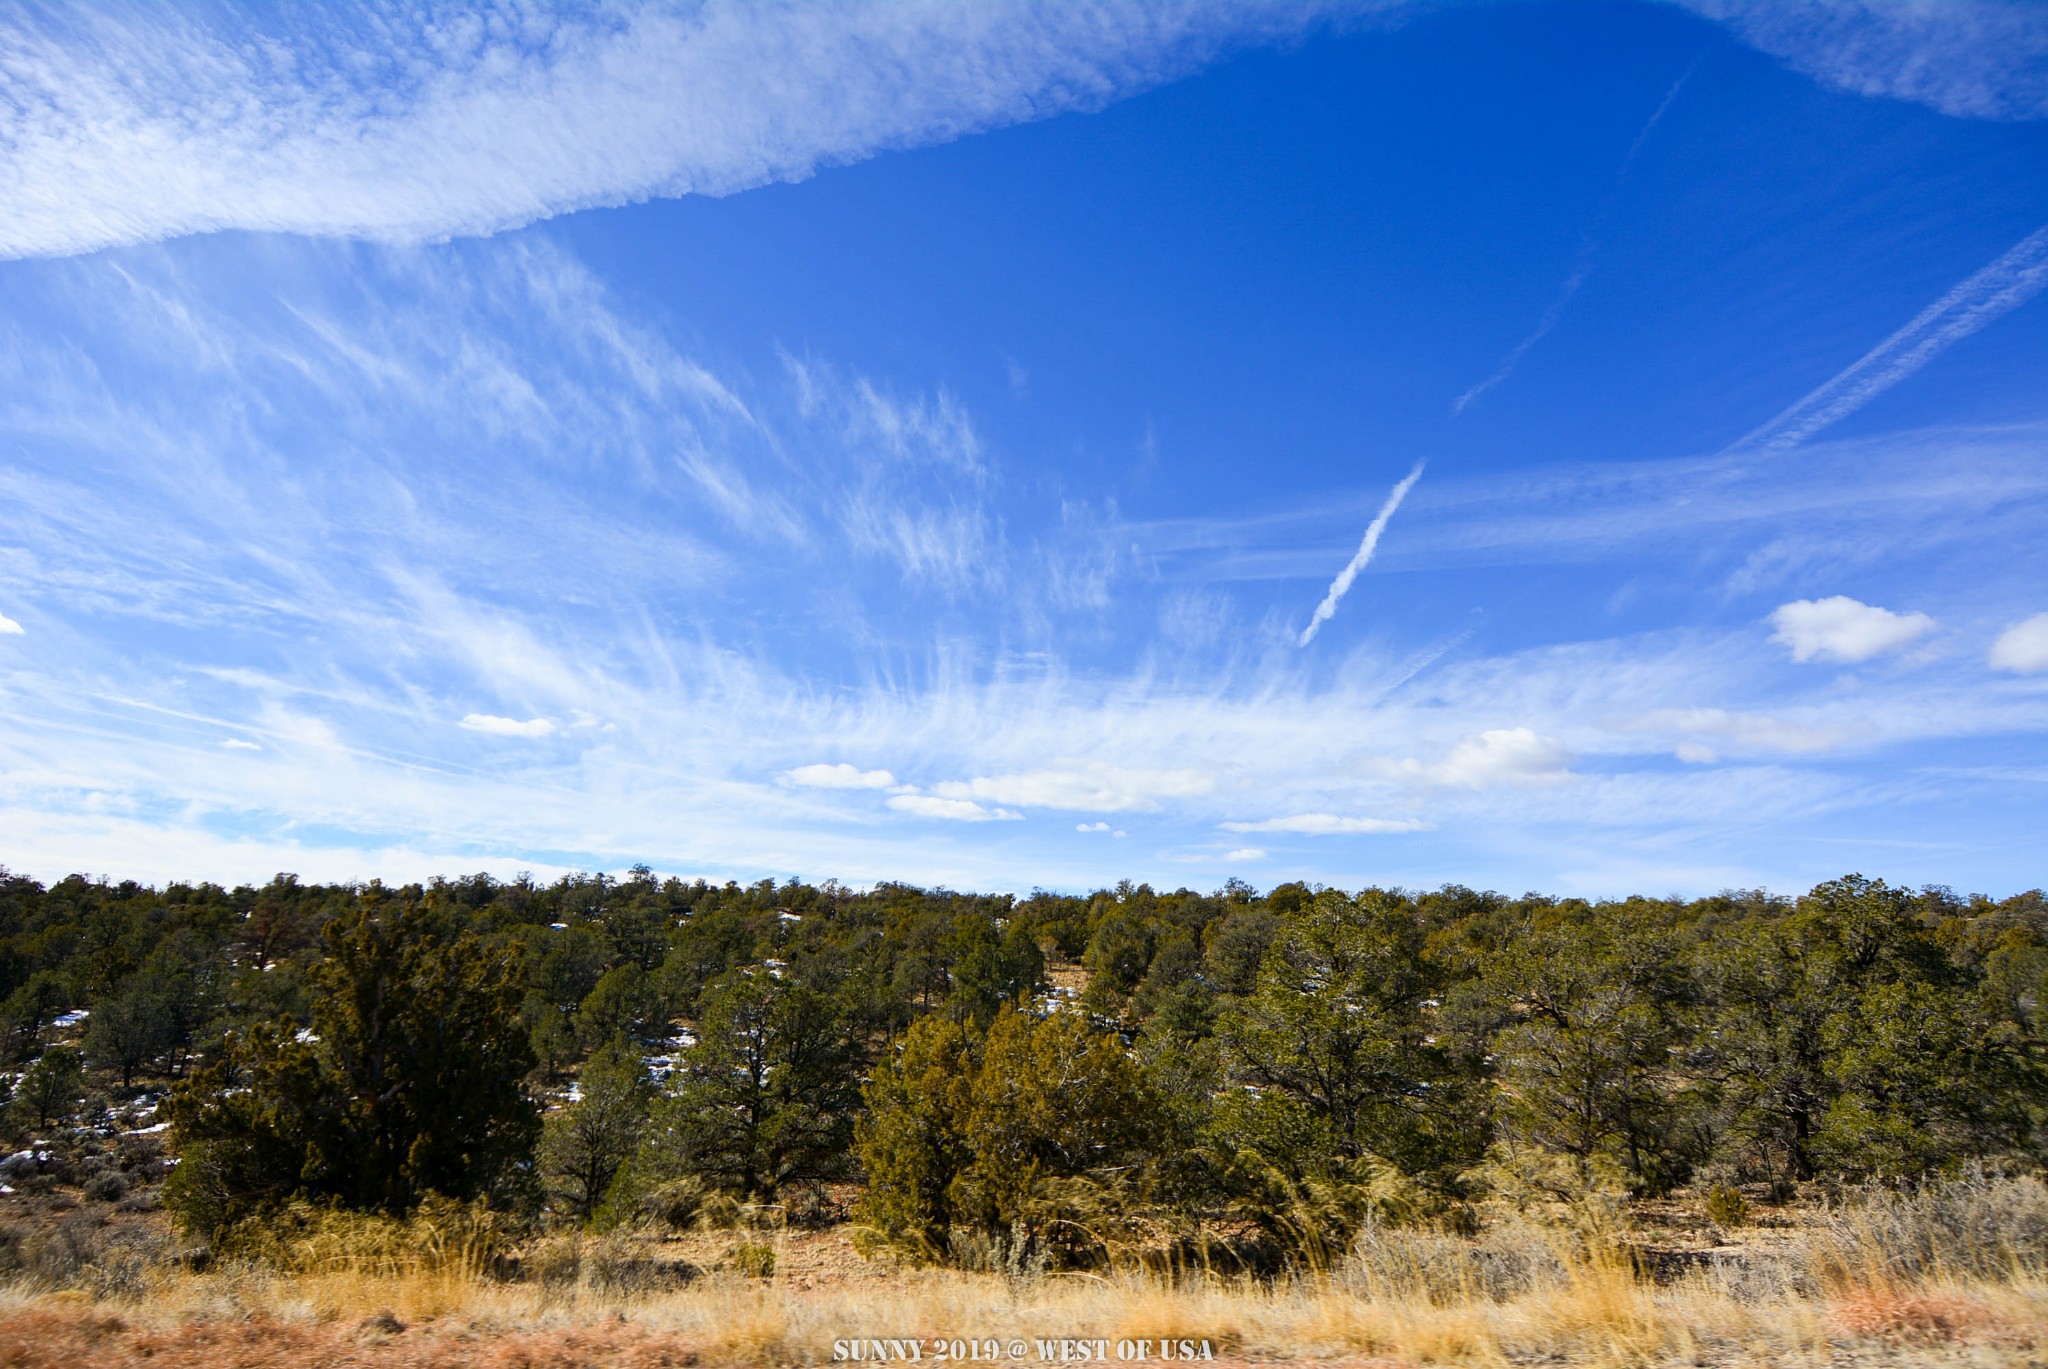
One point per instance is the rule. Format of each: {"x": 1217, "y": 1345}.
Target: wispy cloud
{"x": 1328, "y": 824}
{"x": 416, "y": 123}
{"x": 1341, "y": 586}
{"x": 1582, "y": 263}
{"x": 2004, "y": 285}
{"x": 465, "y": 521}
{"x": 412, "y": 123}
{"x": 1088, "y": 787}
{"x": 1978, "y": 59}
{"x": 10, "y": 628}
{"x": 508, "y": 727}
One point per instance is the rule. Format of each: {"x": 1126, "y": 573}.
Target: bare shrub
{"x": 1977, "y": 1225}
{"x": 1509, "y": 1259}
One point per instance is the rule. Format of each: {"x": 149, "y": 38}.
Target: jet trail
{"x": 1342, "y": 584}
{"x": 1996, "y": 290}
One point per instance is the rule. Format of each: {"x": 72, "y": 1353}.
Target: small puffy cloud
{"x": 1839, "y": 628}
{"x": 841, "y": 776}
{"x": 508, "y": 727}
{"x": 8, "y": 627}
{"x": 953, "y": 810}
{"x": 1089, "y": 787}
{"x": 1091, "y": 827}
{"x": 1327, "y": 824}
{"x": 1502, "y": 756}
{"x": 237, "y": 744}
{"x": 1245, "y": 853}
{"x": 2023, "y": 647}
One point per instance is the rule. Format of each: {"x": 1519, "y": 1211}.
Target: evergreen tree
{"x": 407, "y": 1083}
{"x": 585, "y": 1146}
{"x": 765, "y": 1099}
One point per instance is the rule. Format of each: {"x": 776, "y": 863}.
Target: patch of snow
{"x": 70, "y": 1019}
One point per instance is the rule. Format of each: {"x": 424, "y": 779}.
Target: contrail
{"x": 1582, "y": 264}
{"x": 1999, "y": 288}
{"x": 1342, "y": 583}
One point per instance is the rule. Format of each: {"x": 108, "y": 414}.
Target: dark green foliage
{"x": 1848, "y": 1042}
{"x": 408, "y": 1082}
{"x": 586, "y": 1146}
{"x": 1590, "y": 1011}
{"x": 1340, "y": 1044}
{"x": 765, "y": 1100}
{"x": 989, "y": 970}
{"x": 49, "y": 1089}
{"x": 624, "y": 1005}
{"x": 1022, "y": 1137}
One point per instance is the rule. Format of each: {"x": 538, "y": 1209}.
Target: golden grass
{"x": 1602, "y": 1314}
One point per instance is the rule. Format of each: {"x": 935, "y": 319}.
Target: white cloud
{"x": 8, "y": 627}
{"x": 1327, "y": 824}
{"x": 130, "y": 124}
{"x": 1505, "y": 756}
{"x": 1839, "y": 628}
{"x": 1091, "y": 827}
{"x": 1983, "y": 59}
{"x": 237, "y": 744}
{"x": 2023, "y": 647}
{"x": 1244, "y": 853}
{"x": 955, "y": 810}
{"x": 1692, "y": 753}
{"x": 413, "y": 123}
{"x": 840, "y": 776}
{"x": 508, "y": 727}
{"x": 1089, "y": 787}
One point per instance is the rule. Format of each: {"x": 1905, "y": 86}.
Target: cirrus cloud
{"x": 1088, "y": 787}
{"x": 1327, "y": 824}
{"x": 508, "y": 727}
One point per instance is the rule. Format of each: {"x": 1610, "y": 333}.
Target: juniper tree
{"x": 407, "y": 1082}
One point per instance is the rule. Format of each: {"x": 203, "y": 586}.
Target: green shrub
{"x": 755, "y": 1259}
{"x": 1726, "y": 1206}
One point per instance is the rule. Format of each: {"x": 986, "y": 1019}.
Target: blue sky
{"x": 1587, "y": 447}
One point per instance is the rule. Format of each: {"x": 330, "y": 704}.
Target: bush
{"x": 1977, "y": 1225}
{"x": 755, "y": 1259}
{"x": 439, "y": 1236}
{"x": 1726, "y": 1207}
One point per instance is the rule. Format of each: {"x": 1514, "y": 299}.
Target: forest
{"x": 1057, "y": 1081}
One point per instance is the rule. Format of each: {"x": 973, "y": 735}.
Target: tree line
{"x": 991, "y": 1079}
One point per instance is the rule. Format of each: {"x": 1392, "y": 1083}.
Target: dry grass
{"x": 1956, "y": 1277}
